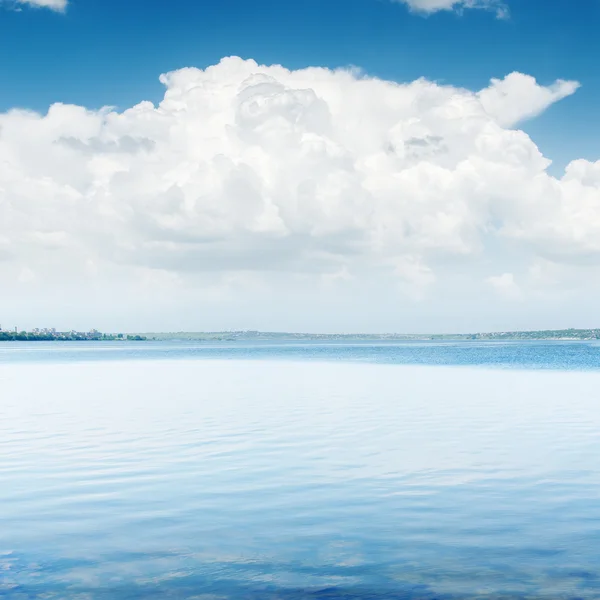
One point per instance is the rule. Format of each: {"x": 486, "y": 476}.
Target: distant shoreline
{"x": 247, "y": 336}
{"x": 60, "y": 336}
{"x": 231, "y": 336}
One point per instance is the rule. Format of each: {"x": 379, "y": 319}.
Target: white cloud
{"x": 519, "y": 97}
{"x": 313, "y": 173}
{"x": 58, "y": 5}
{"x": 431, "y": 6}
{"x": 26, "y": 275}
{"x": 424, "y": 6}
{"x": 505, "y": 285}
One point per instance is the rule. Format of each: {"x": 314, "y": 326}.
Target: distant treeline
{"x": 554, "y": 334}
{"x": 231, "y": 336}
{"x": 30, "y": 336}
{"x": 551, "y": 334}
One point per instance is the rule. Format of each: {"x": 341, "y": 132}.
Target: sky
{"x": 317, "y": 165}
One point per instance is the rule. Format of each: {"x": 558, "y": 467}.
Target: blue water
{"x": 515, "y": 355}
{"x": 296, "y": 471}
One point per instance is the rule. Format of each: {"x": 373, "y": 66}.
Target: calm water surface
{"x": 364, "y": 471}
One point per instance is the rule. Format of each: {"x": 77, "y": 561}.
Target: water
{"x": 514, "y": 355}
{"x": 299, "y": 471}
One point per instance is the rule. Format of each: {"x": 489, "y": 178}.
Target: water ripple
{"x": 296, "y": 480}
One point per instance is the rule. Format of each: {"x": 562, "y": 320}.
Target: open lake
{"x": 300, "y": 471}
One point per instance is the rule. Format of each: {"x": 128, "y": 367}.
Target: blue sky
{"x": 253, "y": 192}
{"x": 110, "y": 52}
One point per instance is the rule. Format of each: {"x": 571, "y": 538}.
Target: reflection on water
{"x": 275, "y": 479}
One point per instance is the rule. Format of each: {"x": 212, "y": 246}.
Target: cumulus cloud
{"x": 518, "y": 97}
{"x": 431, "y": 6}
{"x": 58, "y": 5}
{"x": 244, "y": 168}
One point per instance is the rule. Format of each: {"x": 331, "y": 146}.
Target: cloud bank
{"x": 245, "y": 171}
